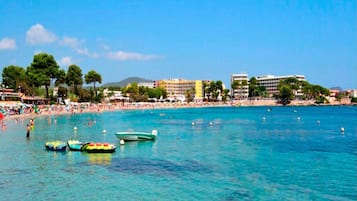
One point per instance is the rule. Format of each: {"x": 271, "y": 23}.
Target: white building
{"x": 147, "y": 84}
{"x": 271, "y": 82}
{"x": 242, "y": 91}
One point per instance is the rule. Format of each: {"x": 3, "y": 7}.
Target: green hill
{"x": 125, "y": 82}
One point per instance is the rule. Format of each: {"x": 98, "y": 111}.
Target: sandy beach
{"x": 8, "y": 107}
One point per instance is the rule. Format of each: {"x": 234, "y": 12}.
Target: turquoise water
{"x": 230, "y": 153}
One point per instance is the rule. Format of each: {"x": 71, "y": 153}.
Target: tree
{"x": 285, "y": 94}
{"x": 234, "y": 86}
{"x": 74, "y": 78}
{"x": 225, "y": 95}
{"x": 212, "y": 89}
{"x": 219, "y": 86}
{"x": 61, "y": 77}
{"x": 253, "y": 85}
{"x": 93, "y": 77}
{"x": 190, "y": 94}
{"x": 255, "y": 90}
{"x": 12, "y": 76}
{"x": 312, "y": 91}
{"x": 42, "y": 70}
{"x": 157, "y": 93}
{"x": 62, "y": 92}
{"x": 206, "y": 91}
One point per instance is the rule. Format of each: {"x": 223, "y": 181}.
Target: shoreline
{"x": 78, "y": 108}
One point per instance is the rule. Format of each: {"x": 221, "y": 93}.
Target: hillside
{"x": 125, "y": 82}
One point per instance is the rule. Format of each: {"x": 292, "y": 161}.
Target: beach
{"x": 74, "y": 108}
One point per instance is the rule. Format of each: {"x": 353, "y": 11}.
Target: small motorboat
{"x": 56, "y": 146}
{"x": 95, "y": 147}
{"x": 75, "y": 145}
{"x": 136, "y": 135}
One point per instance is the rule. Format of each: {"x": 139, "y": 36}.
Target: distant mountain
{"x": 126, "y": 81}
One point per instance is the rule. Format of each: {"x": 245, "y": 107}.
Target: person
{"x": 3, "y": 125}
{"x": 28, "y": 129}
{"x": 32, "y": 123}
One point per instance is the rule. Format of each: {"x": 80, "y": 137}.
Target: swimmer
{"x": 28, "y": 129}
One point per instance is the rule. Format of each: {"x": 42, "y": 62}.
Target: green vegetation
{"x": 142, "y": 94}
{"x": 74, "y": 78}
{"x": 44, "y": 72}
{"x": 255, "y": 90}
{"x": 354, "y": 99}
{"x": 213, "y": 90}
{"x": 292, "y": 88}
{"x": 93, "y": 77}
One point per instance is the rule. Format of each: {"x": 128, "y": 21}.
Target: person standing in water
{"x": 28, "y": 129}
{"x": 32, "y": 123}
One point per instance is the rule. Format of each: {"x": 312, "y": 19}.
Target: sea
{"x": 213, "y": 153}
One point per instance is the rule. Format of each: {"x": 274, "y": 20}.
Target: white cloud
{"x": 125, "y": 56}
{"x": 85, "y": 51}
{"x": 70, "y": 42}
{"x": 38, "y": 52}
{"x": 65, "y": 61}
{"x": 7, "y": 44}
{"x": 37, "y": 34}
{"x": 76, "y": 45}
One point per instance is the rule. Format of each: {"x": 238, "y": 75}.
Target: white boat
{"x": 136, "y": 135}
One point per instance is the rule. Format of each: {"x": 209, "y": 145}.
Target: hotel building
{"x": 176, "y": 88}
{"x": 242, "y": 91}
{"x": 271, "y": 83}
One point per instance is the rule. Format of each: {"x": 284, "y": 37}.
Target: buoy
{"x": 342, "y": 129}
{"x": 298, "y": 118}
{"x": 104, "y": 131}
{"x": 318, "y": 122}
{"x": 211, "y": 123}
{"x": 193, "y": 123}
{"x": 122, "y": 142}
{"x": 75, "y": 128}
{"x": 263, "y": 118}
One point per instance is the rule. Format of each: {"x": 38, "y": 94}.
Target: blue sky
{"x": 206, "y": 39}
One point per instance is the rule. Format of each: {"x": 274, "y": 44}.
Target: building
{"x": 242, "y": 90}
{"x": 271, "y": 83}
{"x": 9, "y": 95}
{"x": 147, "y": 84}
{"x": 114, "y": 96}
{"x": 177, "y": 88}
